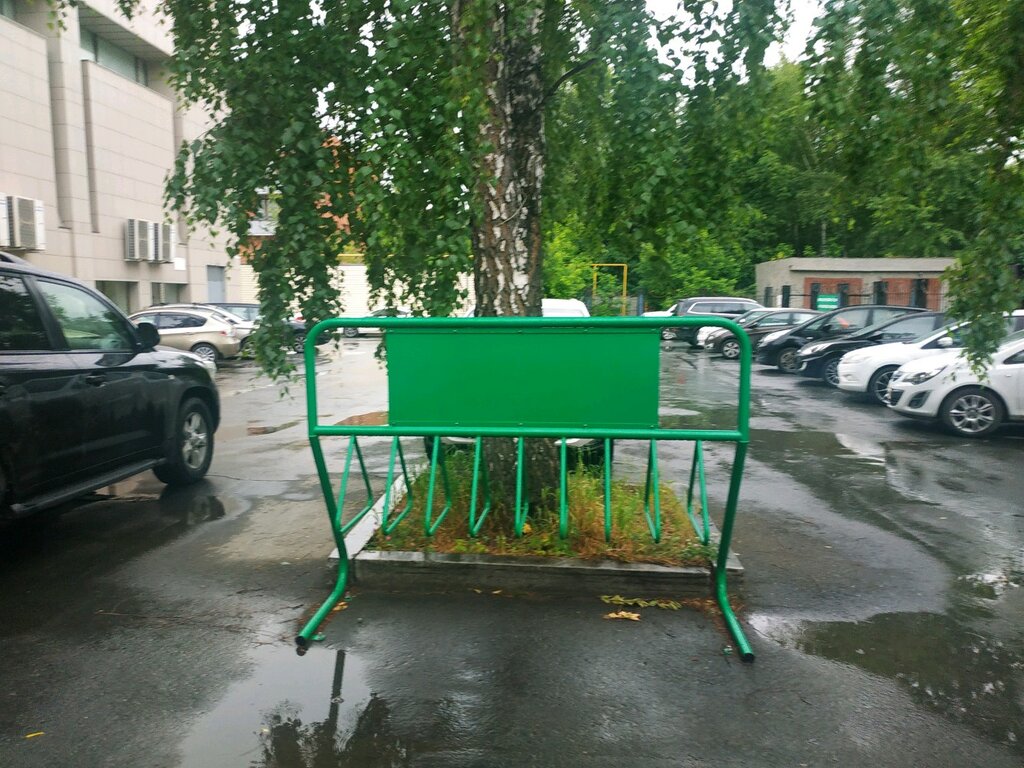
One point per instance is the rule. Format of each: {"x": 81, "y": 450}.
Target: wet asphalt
{"x": 883, "y": 597}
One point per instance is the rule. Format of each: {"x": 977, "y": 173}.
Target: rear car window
{"x": 21, "y": 326}
{"x": 177, "y": 320}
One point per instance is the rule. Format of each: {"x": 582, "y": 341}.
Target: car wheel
{"x": 878, "y": 384}
{"x": 972, "y": 412}
{"x": 206, "y": 351}
{"x": 350, "y": 332}
{"x": 667, "y": 334}
{"x": 830, "y": 373}
{"x": 191, "y": 449}
{"x": 787, "y": 361}
{"x": 299, "y": 343}
{"x": 730, "y": 349}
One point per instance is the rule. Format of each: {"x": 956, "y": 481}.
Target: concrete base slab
{"x": 431, "y": 571}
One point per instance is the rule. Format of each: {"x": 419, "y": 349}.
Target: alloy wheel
{"x": 195, "y": 440}
{"x": 972, "y": 414}
{"x": 831, "y": 372}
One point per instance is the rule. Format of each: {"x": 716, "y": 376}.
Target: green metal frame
{"x": 565, "y": 345}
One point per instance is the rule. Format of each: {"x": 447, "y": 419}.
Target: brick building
{"x": 798, "y": 282}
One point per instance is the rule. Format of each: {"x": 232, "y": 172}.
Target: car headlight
{"x": 773, "y": 336}
{"x": 923, "y": 376}
{"x": 854, "y": 357}
{"x": 812, "y": 349}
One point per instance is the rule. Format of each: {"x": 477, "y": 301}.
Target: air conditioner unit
{"x": 140, "y": 240}
{"x": 26, "y": 225}
{"x": 168, "y": 240}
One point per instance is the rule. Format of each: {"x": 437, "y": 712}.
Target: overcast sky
{"x": 804, "y": 12}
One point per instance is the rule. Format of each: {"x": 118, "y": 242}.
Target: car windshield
{"x": 905, "y": 329}
{"x": 1013, "y": 337}
{"x": 751, "y": 315}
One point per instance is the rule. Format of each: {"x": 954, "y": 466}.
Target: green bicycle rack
{"x": 528, "y": 377}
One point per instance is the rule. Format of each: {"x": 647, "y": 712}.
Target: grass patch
{"x": 631, "y": 540}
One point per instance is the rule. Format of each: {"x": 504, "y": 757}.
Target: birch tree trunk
{"x": 506, "y": 235}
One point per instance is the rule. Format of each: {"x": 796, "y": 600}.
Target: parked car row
{"x": 905, "y": 357}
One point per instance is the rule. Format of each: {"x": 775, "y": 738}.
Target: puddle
{"x": 317, "y": 710}
{"x": 943, "y": 664}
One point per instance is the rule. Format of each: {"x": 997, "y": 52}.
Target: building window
{"x": 815, "y": 292}
{"x": 215, "y": 285}
{"x": 785, "y": 295}
{"x": 123, "y": 293}
{"x": 768, "y": 297}
{"x": 113, "y": 57}
{"x": 168, "y": 293}
{"x": 919, "y": 298}
{"x": 880, "y": 292}
{"x": 843, "y": 289}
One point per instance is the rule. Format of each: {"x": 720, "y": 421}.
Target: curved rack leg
{"x": 721, "y": 591}
{"x": 303, "y": 639}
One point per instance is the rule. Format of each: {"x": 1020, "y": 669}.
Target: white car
{"x": 867, "y": 370}
{"x": 943, "y": 386}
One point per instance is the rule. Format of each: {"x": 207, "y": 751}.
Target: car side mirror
{"x": 944, "y": 341}
{"x": 148, "y": 335}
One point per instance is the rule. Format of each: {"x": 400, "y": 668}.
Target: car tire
{"x": 830, "y": 371}
{"x": 787, "y": 360}
{"x": 191, "y": 450}
{"x": 667, "y": 334}
{"x": 879, "y": 383}
{"x": 972, "y": 412}
{"x": 299, "y": 343}
{"x": 350, "y": 332}
{"x": 206, "y": 351}
{"x": 730, "y": 348}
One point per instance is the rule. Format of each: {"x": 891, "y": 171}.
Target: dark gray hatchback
{"x": 86, "y": 399}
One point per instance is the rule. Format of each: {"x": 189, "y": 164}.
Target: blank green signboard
{"x": 536, "y": 377}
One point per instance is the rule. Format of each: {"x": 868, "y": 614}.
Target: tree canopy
{"x": 523, "y": 141}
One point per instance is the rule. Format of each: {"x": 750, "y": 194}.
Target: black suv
{"x": 713, "y": 306}
{"x": 85, "y": 398}
{"x": 780, "y": 348}
{"x": 820, "y": 359}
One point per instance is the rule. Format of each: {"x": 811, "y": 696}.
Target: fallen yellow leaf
{"x": 628, "y": 615}
{"x": 33, "y": 735}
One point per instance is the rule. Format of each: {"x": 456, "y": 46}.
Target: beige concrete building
{"x": 88, "y": 132}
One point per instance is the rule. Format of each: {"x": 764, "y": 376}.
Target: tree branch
{"x": 565, "y": 76}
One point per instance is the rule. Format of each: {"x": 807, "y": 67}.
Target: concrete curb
{"x": 431, "y": 571}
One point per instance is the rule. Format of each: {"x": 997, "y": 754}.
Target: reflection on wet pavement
{"x": 327, "y": 717}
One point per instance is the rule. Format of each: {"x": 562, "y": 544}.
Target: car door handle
{"x": 96, "y": 379}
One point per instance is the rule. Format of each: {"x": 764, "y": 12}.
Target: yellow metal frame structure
{"x": 625, "y": 276}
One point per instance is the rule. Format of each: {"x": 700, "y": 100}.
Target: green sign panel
{"x": 828, "y": 301}
{"x": 538, "y": 377}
